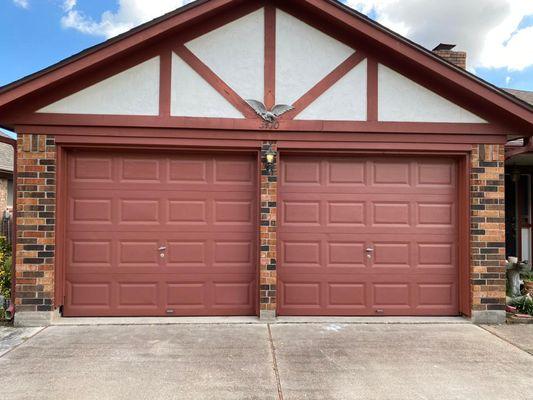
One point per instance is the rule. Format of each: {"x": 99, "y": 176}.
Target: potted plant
{"x": 524, "y": 305}
{"x": 528, "y": 282}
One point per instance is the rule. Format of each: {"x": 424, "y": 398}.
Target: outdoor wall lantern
{"x": 270, "y": 158}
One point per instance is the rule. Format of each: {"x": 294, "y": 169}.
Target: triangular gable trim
{"x": 507, "y": 109}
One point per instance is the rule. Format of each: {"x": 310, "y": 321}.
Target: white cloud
{"x": 68, "y": 5}
{"x": 22, "y": 3}
{"x": 486, "y": 29}
{"x": 130, "y": 13}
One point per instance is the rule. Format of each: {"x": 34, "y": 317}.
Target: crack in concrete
{"x": 275, "y": 363}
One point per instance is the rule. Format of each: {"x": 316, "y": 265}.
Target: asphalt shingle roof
{"x": 523, "y": 95}
{"x": 6, "y": 157}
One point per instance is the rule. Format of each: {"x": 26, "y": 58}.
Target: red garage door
{"x": 160, "y": 234}
{"x": 368, "y": 236}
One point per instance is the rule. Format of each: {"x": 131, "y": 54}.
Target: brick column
{"x": 268, "y": 240}
{"x": 488, "y": 234}
{"x": 3, "y": 195}
{"x": 36, "y": 206}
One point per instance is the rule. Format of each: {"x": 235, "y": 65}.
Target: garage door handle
{"x": 369, "y": 250}
{"x": 162, "y": 248}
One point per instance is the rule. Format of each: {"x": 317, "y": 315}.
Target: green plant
{"x": 524, "y": 304}
{"x": 6, "y": 260}
{"x": 527, "y": 276}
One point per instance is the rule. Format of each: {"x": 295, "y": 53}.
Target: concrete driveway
{"x": 278, "y": 361}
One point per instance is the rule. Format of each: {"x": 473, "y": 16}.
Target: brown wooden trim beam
{"x": 165, "y": 79}
{"x": 214, "y": 80}
{"x": 270, "y": 56}
{"x": 256, "y": 124}
{"x": 327, "y": 82}
{"x": 372, "y": 90}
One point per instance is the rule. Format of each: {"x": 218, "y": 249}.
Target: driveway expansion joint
{"x": 24, "y": 340}
{"x": 274, "y": 362}
{"x": 506, "y": 340}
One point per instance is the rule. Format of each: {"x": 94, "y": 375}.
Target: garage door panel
{"x": 187, "y": 296}
{"x": 233, "y": 172}
{"x": 433, "y": 294}
{"x": 301, "y": 294}
{"x": 96, "y": 252}
{"x": 138, "y": 294}
{"x": 188, "y": 211}
{"x": 234, "y": 212}
{"x": 89, "y": 294}
{"x": 301, "y": 172}
{"x": 188, "y": 170}
{"x": 231, "y": 253}
{"x": 401, "y": 208}
{"x": 391, "y": 295}
{"x": 390, "y": 173}
{"x": 363, "y": 212}
{"x": 138, "y": 253}
{"x": 436, "y": 214}
{"x": 188, "y": 253}
{"x": 134, "y": 203}
{"x": 350, "y": 295}
{"x": 301, "y": 253}
{"x": 436, "y": 255}
{"x": 390, "y": 214}
{"x": 436, "y": 173}
{"x": 315, "y": 255}
{"x": 125, "y": 171}
{"x": 392, "y": 255}
{"x": 94, "y": 211}
{"x": 300, "y": 212}
{"x": 347, "y": 213}
{"x": 345, "y": 254}
{"x": 237, "y": 293}
{"x": 345, "y": 172}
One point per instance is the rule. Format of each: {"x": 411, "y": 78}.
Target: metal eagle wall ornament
{"x": 269, "y": 116}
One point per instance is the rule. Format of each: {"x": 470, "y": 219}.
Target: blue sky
{"x": 33, "y": 38}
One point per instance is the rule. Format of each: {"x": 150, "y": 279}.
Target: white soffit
{"x": 236, "y": 53}
{"x": 131, "y": 92}
{"x": 402, "y": 100}
{"x": 304, "y": 55}
{"x": 344, "y": 101}
{"x": 192, "y": 96}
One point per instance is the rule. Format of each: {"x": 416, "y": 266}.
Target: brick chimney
{"x": 455, "y": 57}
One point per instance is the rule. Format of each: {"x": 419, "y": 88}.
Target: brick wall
{"x": 488, "y": 233}
{"x": 3, "y": 195}
{"x": 268, "y": 255}
{"x": 35, "y": 223}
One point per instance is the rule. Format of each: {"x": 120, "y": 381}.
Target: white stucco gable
{"x": 346, "y": 100}
{"x": 235, "y": 52}
{"x": 192, "y": 96}
{"x": 402, "y": 100}
{"x": 304, "y": 55}
{"x": 211, "y": 76}
{"x": 134, "y": 91}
